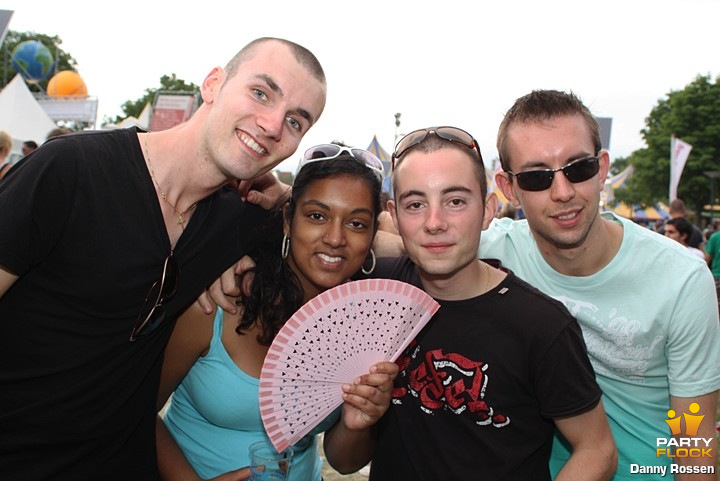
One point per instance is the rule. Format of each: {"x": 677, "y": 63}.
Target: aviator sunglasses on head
{"x": 323, "y": 152}
{"x": 451, "y": 134}
{"x": 537, "y": 180}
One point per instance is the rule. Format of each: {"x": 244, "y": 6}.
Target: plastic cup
{"x": 266, "y": 464}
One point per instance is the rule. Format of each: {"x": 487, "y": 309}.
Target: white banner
{"x": 679, "y": 151}
{"x": 73, "y": 108}
{"x": 171, "y": 109}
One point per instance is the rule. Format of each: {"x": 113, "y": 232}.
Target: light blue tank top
{"x": 214, "y": 417}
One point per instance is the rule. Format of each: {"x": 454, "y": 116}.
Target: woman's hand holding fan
{"x": 331, "y": 341}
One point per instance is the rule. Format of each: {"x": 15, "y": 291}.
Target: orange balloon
{"x": 66, "y": 83}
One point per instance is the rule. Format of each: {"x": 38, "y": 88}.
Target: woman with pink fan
{"x": 213, "y": 363}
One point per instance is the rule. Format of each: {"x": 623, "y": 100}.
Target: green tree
{"x": 693, "y": 115}
{"x": 63, "y": 60}
{"x": 167, "y": 83}
{"x": 619, "y": 164}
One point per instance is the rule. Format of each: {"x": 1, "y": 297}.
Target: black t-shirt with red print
{"x": 480, "y": 385}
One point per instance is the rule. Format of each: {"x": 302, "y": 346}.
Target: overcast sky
{"x": 448, "y": 62}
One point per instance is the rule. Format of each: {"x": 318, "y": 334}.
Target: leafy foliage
{"x": 63, "y": 60}
{"x": 619, "y": 164}
{"x": 167, "y": 83}
{"x": 693, "y": 115}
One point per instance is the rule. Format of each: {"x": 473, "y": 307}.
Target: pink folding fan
{"x": 330, "y": 341}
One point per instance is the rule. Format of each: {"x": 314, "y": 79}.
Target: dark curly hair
{"x": 276, "y": 292}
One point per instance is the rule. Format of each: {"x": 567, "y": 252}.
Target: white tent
{"x": 20, "y": 114}
{"x": 143, "y": 121}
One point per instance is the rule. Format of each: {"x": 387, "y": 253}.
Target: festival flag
{"x": 5, "y": 16}
{"x": 679, "y": 151}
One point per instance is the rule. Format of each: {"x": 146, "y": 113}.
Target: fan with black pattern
{"x": 330, "y": 341}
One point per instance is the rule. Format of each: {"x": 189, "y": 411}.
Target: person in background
{"x": 6, "y": 143}
{"x": 712, "y": 257}
{"x": 320, "y": 238}
{"x": 385, "y": 222}
{"x": 710, "y": 229}
{"x": 28, "y": 146}
{"x": 111, "y": 236}
{"x": 499, "y": 367}
{"x": 680, "y": 229}
{"x": 678, "y": 210}
{"x": 57, "y": 132}
{"x": 648, "y": 309}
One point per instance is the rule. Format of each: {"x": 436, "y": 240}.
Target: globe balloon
{"x": 33, "y": 60}
{"x": 66, "y": 83}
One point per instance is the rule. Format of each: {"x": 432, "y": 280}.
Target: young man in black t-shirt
{"x": 500, "y": 366}
{"x": 106, "y": 237}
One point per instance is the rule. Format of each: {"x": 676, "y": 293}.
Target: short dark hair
{"x": 542, "y": 105}
{"x": 683, "y": 226}
{"x": 30, "y": 143}
{"x": 304, "y": 57}
{"x": 432, "y": 142}
{"x": 276, "y": 290}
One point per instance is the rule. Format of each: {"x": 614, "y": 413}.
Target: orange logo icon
{"x": 692, "y": 422}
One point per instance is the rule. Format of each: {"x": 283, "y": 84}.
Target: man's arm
{"x": 227, "y": 287}
{"x": 706, "y": 431}
{"x": 693, "y": 359}
{"x": 594, "y": 455}
{"x": 225, "y": 290}
{"x": 7, "y": 279}
{"x": 265, "y": 191}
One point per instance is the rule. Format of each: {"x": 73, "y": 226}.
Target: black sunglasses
{"x": 537, "y": 180}
{"x": 451, "y": 134}
{"x": 152, "y": 313}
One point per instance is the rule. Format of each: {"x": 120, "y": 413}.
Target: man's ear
{"x": 491, "y": 207}
{"x": 211, "y": 85}
{"x": 502, "y": 179}
{"x": 604, "y": 160}
{"x": 392, "y": 208}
